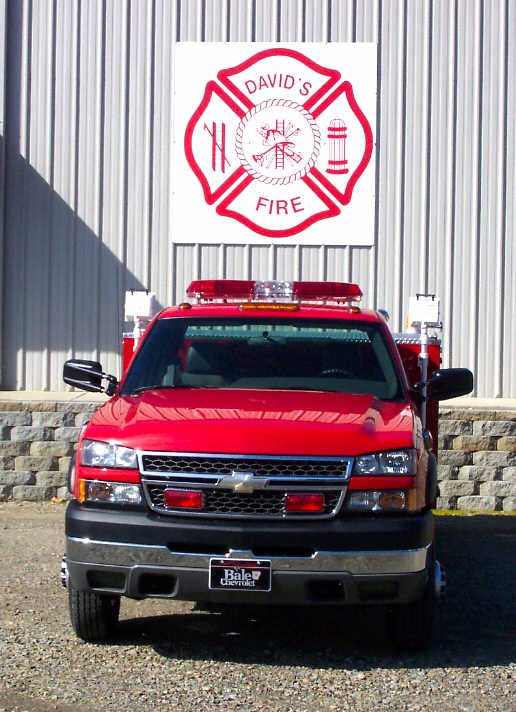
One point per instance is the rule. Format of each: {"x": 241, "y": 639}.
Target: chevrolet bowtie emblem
{"x": 242, "y": 482}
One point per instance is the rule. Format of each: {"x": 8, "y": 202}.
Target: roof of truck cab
{"x": 319, "y": 311}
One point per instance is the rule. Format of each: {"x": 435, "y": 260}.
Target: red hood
{"x": 254, "y": 422}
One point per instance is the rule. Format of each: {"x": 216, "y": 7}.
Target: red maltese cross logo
{"x": 278, "y": 143}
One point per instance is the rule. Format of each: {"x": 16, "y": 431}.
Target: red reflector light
{"x": 304, "y": 503}
{"x": 183, "y": 499}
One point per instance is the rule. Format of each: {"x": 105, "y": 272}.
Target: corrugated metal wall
{"x": 3, "y": 46}
{"x": 88, "y": 165}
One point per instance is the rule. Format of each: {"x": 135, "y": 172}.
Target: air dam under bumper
{"x": 325, "y": 577}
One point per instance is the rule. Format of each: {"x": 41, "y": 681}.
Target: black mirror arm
{"x": 112, "y": 383}
{"x": 416, "y": 391}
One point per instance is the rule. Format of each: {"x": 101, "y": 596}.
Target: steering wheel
{"x": 336, "y": 372}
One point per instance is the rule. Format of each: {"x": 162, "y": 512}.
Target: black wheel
{"x": 411, "y": 625}
{"x": 71, "y": 475}
{"x": 94, "y": 617}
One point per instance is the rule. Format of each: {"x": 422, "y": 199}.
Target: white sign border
{"x": 193, "y": 219}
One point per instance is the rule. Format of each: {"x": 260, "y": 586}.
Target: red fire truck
{"x": 264, "y": 446}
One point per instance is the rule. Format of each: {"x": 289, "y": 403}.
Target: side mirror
{"x": 450, "y": 383}
{"x": 88, "y": 376}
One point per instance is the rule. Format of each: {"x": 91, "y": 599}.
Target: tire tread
{"x": 94, "y": 617}
{"x": 411, "y": 625}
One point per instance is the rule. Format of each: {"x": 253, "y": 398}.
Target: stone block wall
{"x": 37, "y": 441}
{"x": 477, "y": 459}
{"x": 477, "y": 453}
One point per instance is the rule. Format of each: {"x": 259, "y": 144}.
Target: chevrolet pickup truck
{"x": 264, "y": 447}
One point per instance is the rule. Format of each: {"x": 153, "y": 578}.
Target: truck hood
{"x": 254, "y": 422}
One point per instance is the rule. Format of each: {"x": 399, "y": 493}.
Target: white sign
{"x": 140, "y": 305}
{"x": 274, "y": 143}
{"x": 424, "y": 308}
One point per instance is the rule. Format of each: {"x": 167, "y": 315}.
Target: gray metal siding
{"x": 3, "y": 62}
{"x": 89, "y": 194}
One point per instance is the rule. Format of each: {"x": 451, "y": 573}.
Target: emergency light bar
{"x": 250, "y": 290}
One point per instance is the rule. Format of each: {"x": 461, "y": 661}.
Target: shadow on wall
{"x": 63, "y": 287}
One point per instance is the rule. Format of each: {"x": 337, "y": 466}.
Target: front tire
{"x": 94, "y": 617}
{"x": 411, "y": 625}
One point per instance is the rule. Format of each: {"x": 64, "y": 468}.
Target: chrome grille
{"x": 215, "y": 465}
{"x": 213, "y": 473}
{"x": 257, "y": 504}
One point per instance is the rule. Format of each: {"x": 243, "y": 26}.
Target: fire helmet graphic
{"x": 278, "y": 143}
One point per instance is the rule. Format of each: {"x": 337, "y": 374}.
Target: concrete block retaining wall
{"x": 477, "y": 453}
{"x": 477, "y": 459}
{"x": 37, "y": 441}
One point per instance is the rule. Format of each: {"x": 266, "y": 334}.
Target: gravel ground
{"x": 168, "y": 656}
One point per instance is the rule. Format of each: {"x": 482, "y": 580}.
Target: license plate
{"x": 241, "y": 575}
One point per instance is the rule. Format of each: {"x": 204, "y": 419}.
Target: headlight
{"x": 391, "y": 462}
{"x": 381, "y": 501}
{"x": 111, "y": 492}
{"x": 99, "y": 454}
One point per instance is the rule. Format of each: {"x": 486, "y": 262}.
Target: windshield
{"x": 285, "y": 354}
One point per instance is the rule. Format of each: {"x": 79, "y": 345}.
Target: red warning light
{"x": 249, "y": 290}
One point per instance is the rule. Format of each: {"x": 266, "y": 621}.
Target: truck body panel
{"x": 254, "y": 421}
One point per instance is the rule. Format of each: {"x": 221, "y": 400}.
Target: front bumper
{"x": 347, "y": 561}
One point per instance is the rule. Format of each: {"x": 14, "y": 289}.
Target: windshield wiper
{"x": 308, "y": 388}
{"x": 141, "y": 389}
{"x": 159, "y": 387}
